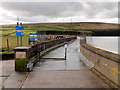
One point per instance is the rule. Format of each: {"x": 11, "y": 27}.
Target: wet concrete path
{"x": 54, "y": 72}
{"x": 55, "y": 59}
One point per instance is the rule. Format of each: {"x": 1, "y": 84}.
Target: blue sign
{"x": 33, "y": 36}
{"x": 19, "y": 31}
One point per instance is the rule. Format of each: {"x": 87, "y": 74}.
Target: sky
{"x": 44, "y": 12}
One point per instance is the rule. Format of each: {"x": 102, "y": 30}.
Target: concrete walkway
{"x": 54, "y": 72}
{"x": 55, "y": 60}
{"x": 69, "y": 73}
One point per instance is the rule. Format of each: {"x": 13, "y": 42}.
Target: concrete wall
{"x": 105, "y": 62}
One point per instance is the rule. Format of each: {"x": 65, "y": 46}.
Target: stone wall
{"x": 105, "y": 62}
{"x": 45, "y": 45}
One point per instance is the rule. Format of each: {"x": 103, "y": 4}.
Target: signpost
{"x": 19, "y": 32}
{"x": 33, "y": 37}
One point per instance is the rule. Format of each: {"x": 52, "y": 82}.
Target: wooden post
{"x": 7, "y": 45}
{"x": 29, "y": 41}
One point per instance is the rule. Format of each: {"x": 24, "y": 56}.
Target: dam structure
{"x": 65, "y": 63}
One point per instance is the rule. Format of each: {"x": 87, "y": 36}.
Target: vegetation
{"x": 8, "y": 52}
{"x": 106, "y": 32}
{"x": 21, "y": 64}
{"x": 9, "y": 33}
{"x": 95, "y": 29}
{"x": 65, "y": 32}
{"x": 41, "y": 28}
{"x": 13, "y": 39}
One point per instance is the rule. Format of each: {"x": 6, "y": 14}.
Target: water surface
{"x": 106, "y": 43}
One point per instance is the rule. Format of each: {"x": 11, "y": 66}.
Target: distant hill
{"x": 73, "y": 25}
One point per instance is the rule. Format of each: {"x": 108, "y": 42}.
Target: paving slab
{"x": 6, "y": 69}
{"x": 8, "y": 77}
{"x": 63, "y": 79}
{"x": 15, "y": 80}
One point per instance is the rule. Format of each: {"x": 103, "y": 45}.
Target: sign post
{"x": 17, "y": 41}
{"x": 21, "y": 41}
{"x": 19, "y": 33}
{"x": 33, "y": 37}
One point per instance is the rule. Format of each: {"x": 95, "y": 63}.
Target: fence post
{"x": 7, "y": 45}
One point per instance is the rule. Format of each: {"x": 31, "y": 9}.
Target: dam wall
{"x": 105, "y": 63}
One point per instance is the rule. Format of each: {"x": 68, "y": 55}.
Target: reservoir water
{"x": 110, "y": 44}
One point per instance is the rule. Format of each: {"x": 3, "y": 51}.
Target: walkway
{"x": 54, "y": 72}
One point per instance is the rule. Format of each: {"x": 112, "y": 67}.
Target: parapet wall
{"x": 45, "y": 45}
{"x": 105, "y": 62}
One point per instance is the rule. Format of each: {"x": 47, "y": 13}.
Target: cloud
{"x": 59, "y": 9}
{"x": 101, "y": 10}
{"x": 46, "y": 11}
{"x": 42, "y": 8}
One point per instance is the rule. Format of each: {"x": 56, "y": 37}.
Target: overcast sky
{"x": 37, "y": 12}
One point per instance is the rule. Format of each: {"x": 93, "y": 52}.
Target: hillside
{"x": 78, "y": 28}
{"x": 73, "y": 25}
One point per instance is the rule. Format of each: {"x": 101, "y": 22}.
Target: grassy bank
{"x": 12, "y": 39}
